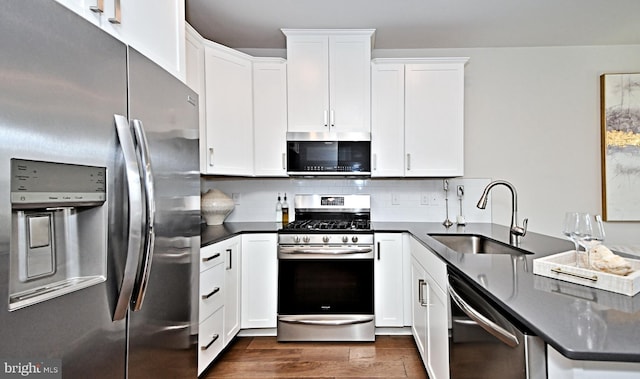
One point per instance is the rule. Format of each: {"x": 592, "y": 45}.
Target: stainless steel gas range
{"x": 325, "y": 278}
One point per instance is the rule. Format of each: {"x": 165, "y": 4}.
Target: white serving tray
{"x": 562, "y": 266}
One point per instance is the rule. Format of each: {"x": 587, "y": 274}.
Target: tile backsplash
{"x": 391, "y": 199}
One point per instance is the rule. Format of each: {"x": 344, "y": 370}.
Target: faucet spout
{"x": 515, "y": 231}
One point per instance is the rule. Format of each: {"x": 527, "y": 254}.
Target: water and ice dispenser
{"x": 59, "y": 221}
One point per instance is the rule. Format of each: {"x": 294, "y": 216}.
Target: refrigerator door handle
{"x": 134, "y": 243}
{"x": 146, "y": 174}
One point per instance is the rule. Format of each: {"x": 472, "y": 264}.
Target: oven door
{"x": 325, "y": 299}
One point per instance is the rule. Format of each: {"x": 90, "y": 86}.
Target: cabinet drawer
{"x": 211, "y": 291}
{"x": 210, "y": 256}
{"x": 210, "y": 339}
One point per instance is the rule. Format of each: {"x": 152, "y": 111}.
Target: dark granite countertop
{"x": 580, "y": 322}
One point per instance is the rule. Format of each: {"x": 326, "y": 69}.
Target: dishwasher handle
{"x": 491, "y": 327}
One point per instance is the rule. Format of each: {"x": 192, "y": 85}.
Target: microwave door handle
{"x": 150, "y": 204}
{"x": 134, "y": 240}
{"x": 491, "y": 327}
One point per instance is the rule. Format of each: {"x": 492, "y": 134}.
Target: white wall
{"x": 532, "y": 117}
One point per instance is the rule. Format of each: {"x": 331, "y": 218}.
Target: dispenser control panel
{"x": 40, "y": 184}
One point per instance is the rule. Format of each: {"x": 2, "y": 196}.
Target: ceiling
{"x": 411, "y": 24}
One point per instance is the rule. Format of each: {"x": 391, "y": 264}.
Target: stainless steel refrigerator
{"x": 99, "y": 203}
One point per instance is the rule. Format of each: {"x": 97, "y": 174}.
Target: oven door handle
{"x": 346, "y": 320}
{"x": 491, "y": 327}
{"x": 324, "y": 250}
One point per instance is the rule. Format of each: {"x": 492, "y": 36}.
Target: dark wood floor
{"x": 264, "y": 357}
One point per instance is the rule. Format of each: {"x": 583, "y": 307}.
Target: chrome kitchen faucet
{"x": 515, "y": 231}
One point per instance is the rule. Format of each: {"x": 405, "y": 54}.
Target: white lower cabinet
{"x": 219, "y": 306}
{"x": 430, "y": 327}
{"x": 388, "y": 284}
{"x": 259, "y": 281}
{"x": 210, "y": 342}
{"x": 561, "y": 367}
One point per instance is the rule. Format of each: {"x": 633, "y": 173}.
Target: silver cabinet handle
{"x": 214, "y": 256}
{"x": 116, "y": 13}
{"x": 211, "y": 156}
{"x": 421, "y": 284}
{"x": 98, "y": 8}
{"x": 230, "y": 252}
{"x": 215, "y": 291}
{"x": 491, "y": 327}
{"x": 375, "y": 162}
{"x": 326, "y": 122}
{"x": 208, "y": 345}
{"x": 408, "y": 162}
{"x": 333, "y": 118}
{"x": 134, "y": 242}
{"x": 378, "y": 250}
{"x": 146, "y": 174}
{"x": 284, "y": 161}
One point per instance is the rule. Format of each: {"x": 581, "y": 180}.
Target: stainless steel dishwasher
{"x": 486, "y": 344}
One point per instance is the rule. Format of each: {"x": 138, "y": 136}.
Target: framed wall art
{"x": 620, "y": 115}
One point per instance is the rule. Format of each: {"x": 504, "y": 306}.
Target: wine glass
{"x": 592, "y": 234}
{"x": 570, "y": 228}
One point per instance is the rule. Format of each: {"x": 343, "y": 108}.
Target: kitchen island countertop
{"x": 580, "y": 322}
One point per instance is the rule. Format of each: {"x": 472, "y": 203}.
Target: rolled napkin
{"x": 603, "y": 259}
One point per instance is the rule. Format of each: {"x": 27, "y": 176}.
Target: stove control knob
{"x": 345, "y": 239}
{"x": 325, "y": 239}
{"x": 296, "y": 239}
{"x": 306, "y": 239}
{"x": 354, "y": 239}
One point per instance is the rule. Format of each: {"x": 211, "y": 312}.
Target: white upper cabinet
{"x": 329, "y": 84}
{"x": 270, "y": 116}
{"x": 194, "y": 60}
{"x": 387, "y": 120}
{"x": 418, "y": 117}
{"x": 154, "y": 28}
{"x": 229, "y": 111}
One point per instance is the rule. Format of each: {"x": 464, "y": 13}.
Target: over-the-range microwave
{"x": 330, "y": 153}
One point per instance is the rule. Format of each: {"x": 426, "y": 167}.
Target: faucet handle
{"x": 520, "y": 230}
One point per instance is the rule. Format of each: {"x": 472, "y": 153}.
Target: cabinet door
{"x": 308, "y": 83}
{"x": 434, "y": 106}
{"x": 270, "y": 117}
{"x": 156, "y": 29}
{"x": 232, "y": 288}
{"x": 259, "y": 280}
{"x": 388, "y": 285}
{"x": 228, "y": 85}
{"x": 387, "y": 120}
{"x": 437, "y": 348}
{"x": 350, "y": 83}
{"x": 194, "y": 62}
{"x": 418, "y": 306}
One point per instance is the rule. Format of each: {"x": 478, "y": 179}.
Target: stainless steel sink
{"x": 476, "y": 244}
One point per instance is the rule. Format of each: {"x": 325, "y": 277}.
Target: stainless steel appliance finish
{"x": 488, "y": 342}
{"x": 338, "y": 154}
{"x": 325, "y": 282}
{"x": 65, "y": 85}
